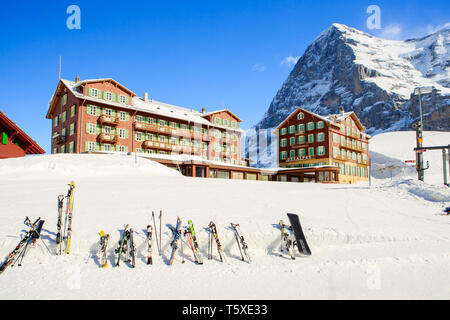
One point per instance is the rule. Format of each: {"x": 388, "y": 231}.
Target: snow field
{"x": 384, "y": 242}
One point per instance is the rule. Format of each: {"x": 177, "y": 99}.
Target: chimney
{"x": 342, "y": 111}
{"x": 145, "y": 96}
{"x": 203, "y": 110}
{"x": 77, "y": 79}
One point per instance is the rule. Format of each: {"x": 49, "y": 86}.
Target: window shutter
{"x": 126, "y": 134}
{"x": 104, "y": 95}
{"x": 86, "y": 146}
{"x": 89, "y": 91}
{"x": 127, "y": 99}
{"x": 97, "y": 111}
{"x": 87, "y": 127}
{"x": 97, "y": 146}
{"x": 127, "y": 116}
{"x": 113, "y": 97}
{"x": 4, "y": 138}
{"x": 99, "y": 94}
{"x": 97, "y": 129}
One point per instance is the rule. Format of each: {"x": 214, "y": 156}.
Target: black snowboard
{"x": 302, "y": 245}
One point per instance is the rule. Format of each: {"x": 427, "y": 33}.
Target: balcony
{"x": 109, "y": 120}
{"x": 351, "y": 146}
{"x": 149, "y": 144}
{"x": 107, "y": 138}
{"x": 140, "y": 126}
{"x": 59, "y": 139}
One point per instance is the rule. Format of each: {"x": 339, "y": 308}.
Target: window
{"x": 107, "y": 112}
{"x": 63, "y": 149}
{"x": 291, "y": 141}
{"x": 292, "y": 153}
{"x": 217, "y": 120}
{"x": 91, "y": 128}
{"x": 291, "y": 129}
{"x": 107, "y": 147}
{"x": 72, "y": 129}
{"x": 72, "y": 147}
{"x": 92, "y": 110}
{"x": 321, "y": 137}
{"x": 310, "y": 138}
{"x": 283, "y": 155}
{"x": 93, "y": 92}
{"x": 301, "y": 152}
{"x": 108, "y": 96}
{"x": 64, "y": 116}
{"x": 283, "y": 131}
{"x": 233, "y": 124}
{"x": 64, "y": 99}
{"x": 55, "y": 121}
{"x": 301, "y": 140}
{"x": 320, "y": 124}
{"x": 121, "y": 148}
{"x": 310, "y": 126}
{"x": 301, "y": 128}
{"x": 72, "y": 111}
{"x": 310, "y": 151}
{"x": 283, "y": 142}
{"x": 122, "y": 133}
{"x": 321, "y": 151}
{"x": 123, "y": 116}
{"x": 138, "y": 136}
{"x": 138, "y": 118}
{"x": 122, "y": 99}
{"x": 300, "y": 116}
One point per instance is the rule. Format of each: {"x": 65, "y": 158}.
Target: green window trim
{"x": 4, "y": 138}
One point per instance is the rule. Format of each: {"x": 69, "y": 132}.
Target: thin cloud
{"x": 393, "y": 31}
{"x": 289, "y": 61}
{"x": 258, "y": 68}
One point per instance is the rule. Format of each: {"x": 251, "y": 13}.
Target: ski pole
{"x": 37, "y": 234}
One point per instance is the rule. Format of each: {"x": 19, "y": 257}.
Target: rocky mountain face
{"x": 375, "y": 78}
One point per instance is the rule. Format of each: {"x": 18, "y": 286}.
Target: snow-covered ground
{"x": 384, "y": 242}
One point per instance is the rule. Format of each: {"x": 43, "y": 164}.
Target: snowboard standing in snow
{"x": 286, "y": 241}
{"x": 59, "y": 235}
{"x": 122, "y": 245}
{"x": 21, "y": 247}
{"x": 195, "y": 242}
{"x": 104, "y": 238}
{"x": 213, "y": 234}
{"x": 149, "y": 242}
{"x": 240, "y": 242}
{"x": 176, "y": 236}
{"x": 301, "y": 243}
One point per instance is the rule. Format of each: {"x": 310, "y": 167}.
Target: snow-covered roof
{"x": 151, "y": 106}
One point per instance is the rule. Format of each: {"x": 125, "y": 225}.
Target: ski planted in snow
{"x": 300, "y": 242}
{"x": 241, "y": 242}
{"x": 195, "y": 242}
{"x": 156, "y": 233}
{"x": 21, "y": 247}
{"x": 149, "y": 242}
{"x": 286, "y": 242}
{"x": 123, "y": 242}
{"x": 59, "y": 231}
{"x": 176, "y": 236}
{"x": 213, "y": 235}
{"x": 188, "y": 235}
{"x": 69, "y": 214}
{"x": 132, "y": 258}
{"x": 104, "y": 238}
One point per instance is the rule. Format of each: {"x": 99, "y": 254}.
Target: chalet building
{"x": 101, "y": 115}
{"x": 335, "y": 144}
{"x": 14, "y": 142}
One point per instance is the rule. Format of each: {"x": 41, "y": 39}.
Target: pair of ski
{"x": 19, "y": 252}
{"x": 242, "y": 245}
{"x": 287, "y": 243}
{"x": 127, "y": 247}
{"x": 191, "y": 237}
{"x": 150, "y": 237}
{"x": 64, "y": 233}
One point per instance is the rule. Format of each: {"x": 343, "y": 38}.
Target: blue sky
{"x": 195, "y": 54}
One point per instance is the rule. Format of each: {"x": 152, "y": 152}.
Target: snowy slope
{"x": 382, "y": 242}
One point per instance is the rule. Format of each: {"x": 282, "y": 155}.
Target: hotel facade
{"x": 307, "y": 140}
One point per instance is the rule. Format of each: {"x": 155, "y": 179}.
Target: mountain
{"x": 375, "y": 78}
